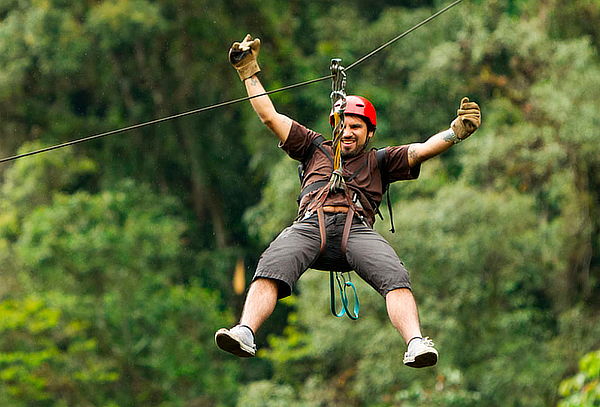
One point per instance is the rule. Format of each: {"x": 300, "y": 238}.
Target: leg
{"x": 260, "y": 303}
{"x": 278, "y": 269}
{"x": 402, "y": 310}
{"x": 376, "y": 262}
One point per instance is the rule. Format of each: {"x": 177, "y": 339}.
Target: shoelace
{"x": 427, "y": 342}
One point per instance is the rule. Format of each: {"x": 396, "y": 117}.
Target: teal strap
{"x": 343, "y": 286}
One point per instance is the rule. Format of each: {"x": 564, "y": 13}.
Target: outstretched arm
{"x": 263, "y": 106}
{"x": 243, "y": 58}
{"x": 468, "y": 120}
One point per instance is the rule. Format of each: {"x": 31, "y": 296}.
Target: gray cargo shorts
{"x": 297, "y": 248}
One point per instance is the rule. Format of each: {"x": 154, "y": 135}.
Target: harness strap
{"x": 359, "y": 170}
{"x": 347, "y": 227}
{"x": 320, "y": 198}
{"x": 316, "y": 143}
{"x": 342, "y": 285}
{"x": 311, "y": 188}
{"x": 381, "y": 156}
{"x": 389, "y": 205}
{"x": 322, "y": 231}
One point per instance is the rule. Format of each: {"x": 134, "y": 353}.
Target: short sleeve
{"x": 298, "y": 141}
{"x": 397, "y": 167}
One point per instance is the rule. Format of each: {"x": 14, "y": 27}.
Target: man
{"x": 334, "y": 229}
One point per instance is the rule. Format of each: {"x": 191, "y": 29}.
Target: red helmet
{"x": 359, "y": 106}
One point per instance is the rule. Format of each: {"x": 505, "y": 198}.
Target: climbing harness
{"x": 342, "y": 279}
{"x": 230, "y": 102}
{"x": 337, "y": 184}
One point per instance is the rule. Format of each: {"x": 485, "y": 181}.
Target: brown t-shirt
{"x": 363, "y": 178}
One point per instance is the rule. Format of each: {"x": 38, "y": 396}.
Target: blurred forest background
{"x": 117, "y": 256}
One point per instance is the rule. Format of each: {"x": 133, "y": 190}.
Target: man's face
{"x": 355, "y": 136}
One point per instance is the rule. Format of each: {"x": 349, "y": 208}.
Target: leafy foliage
{"x": 583, "y": 389}
{"x": 46, "y": 356}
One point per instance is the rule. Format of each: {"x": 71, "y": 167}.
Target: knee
{"x": 264, "y": 284}
{"x": 402, "y": 292}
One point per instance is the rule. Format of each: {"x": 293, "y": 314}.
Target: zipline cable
{"x": 230, "y": 102}
{"x": 163, "y": 119}
{"x": 404, "y": 34}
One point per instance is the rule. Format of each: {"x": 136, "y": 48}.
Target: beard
{"x": 355, "y": 151}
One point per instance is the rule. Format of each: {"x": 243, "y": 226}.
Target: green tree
{"x": 583, "y": 389}
{"x": 46, "y": 355}
{"x": 117, "y": 264}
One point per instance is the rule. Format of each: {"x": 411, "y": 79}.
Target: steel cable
{"x": 163, "y": 119}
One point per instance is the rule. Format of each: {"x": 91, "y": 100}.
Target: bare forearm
{"x": 436, "y": 144}
{"x": 466, "y": 123}
{"x": 263, "y": 106}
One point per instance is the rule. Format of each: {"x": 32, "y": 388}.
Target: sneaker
{"x": 420, "y": 353}
{"x": 238, "y": 340}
